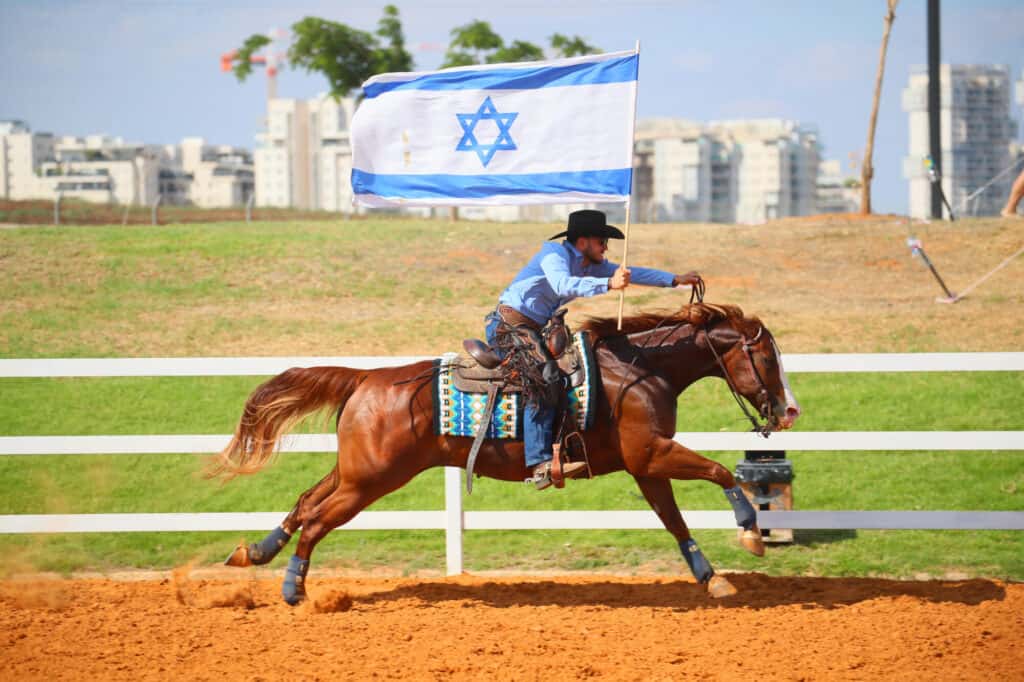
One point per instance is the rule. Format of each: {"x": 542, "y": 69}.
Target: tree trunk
{"x": 867, "y": 170}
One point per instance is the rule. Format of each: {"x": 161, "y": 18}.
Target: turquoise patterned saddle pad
{"x": 457, "y": 413}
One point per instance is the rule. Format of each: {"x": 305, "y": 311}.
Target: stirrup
{"x": 542, "y": 479}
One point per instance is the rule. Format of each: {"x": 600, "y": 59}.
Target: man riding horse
{"x": 557, "y": 274}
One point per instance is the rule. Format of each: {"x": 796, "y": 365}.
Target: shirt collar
{"x": 572, "y": 249}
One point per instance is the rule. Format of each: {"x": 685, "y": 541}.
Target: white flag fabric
{"x": 548, "y": 132}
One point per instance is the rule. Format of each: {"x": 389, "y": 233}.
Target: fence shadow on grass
{"x": 813, "y": 538}
{"x": 755, "y": 591}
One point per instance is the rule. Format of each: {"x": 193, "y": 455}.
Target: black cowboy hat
{"x": 589, "y": 223}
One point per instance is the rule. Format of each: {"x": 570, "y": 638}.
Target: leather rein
{"x": 765, "y": 409}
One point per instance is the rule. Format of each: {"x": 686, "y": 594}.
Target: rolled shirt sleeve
{"x": 646, "y": 276}
{"x": 548, "y": 281}
{"x": 565, "y": 284}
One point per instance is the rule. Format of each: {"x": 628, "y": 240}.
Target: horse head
{"x": 749, "y": 361}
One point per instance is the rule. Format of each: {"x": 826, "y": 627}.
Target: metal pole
{"x": 928, "y": 262}
{"x": 934, "y": 104}
{"x": 248, "y": 207}
{"x": 56, "y": 209}
{"x": 156, "y": 203}
{"x": 936, "y": 180}
{"x": 917, "y": 249}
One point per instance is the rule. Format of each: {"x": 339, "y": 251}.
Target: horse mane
{"x": 696, "y": 314}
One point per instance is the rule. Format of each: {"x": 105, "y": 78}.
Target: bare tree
{"x": 867, "y": 170}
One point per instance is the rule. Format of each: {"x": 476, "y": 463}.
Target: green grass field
{"x": 417, "y": 288}
{"x": 166, "y": 483}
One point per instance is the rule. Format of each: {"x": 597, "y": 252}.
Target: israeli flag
{"x": 548, "y": 132}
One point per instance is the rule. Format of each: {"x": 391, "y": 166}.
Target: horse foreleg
{"x": 665, "y": 458}
{"x": 658, "y": 493}
{"x": 264, "y": 551}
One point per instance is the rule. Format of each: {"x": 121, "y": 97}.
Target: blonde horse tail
{"x": 275, "y": 407}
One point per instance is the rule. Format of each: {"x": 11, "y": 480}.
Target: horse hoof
{"x": 719, "y": 587}
{"x": 751, "y": 541}
{"x": 293, "y": 597}
{"x": 240, "y": 557}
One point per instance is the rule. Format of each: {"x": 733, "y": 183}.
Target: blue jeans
{"x": 538, "y": 422}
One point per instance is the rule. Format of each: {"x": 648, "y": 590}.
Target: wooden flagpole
{"x": 632, "y": 136}
{"x": 625, "y": 253}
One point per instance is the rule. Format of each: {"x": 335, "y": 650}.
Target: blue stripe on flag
{"x": 616, "y": 182}
{"x": 620, "y": 70}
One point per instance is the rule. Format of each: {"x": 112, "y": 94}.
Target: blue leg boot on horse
{"x": 262, "y": 552}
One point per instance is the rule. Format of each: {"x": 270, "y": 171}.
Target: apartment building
{"x": 747, "y": 171}
{"x": 304, "y": 157}
{"x": 104, "y": 169}
{"x": 218, "y": 176}
{"x": 977, "y": 137}
{"x": 837, "y": 192}
{"x": 22, "y": 152}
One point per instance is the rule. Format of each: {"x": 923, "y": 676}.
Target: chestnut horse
{"x": 385, "y": 427}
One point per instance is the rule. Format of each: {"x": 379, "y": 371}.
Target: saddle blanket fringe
{"x": 458, "y": 413}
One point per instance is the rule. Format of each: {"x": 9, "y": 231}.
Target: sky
{"x": 149, "y": 70}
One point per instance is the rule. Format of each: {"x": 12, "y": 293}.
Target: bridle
{"x": 763, "y": 398}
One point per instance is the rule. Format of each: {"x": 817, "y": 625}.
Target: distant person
{"x": 1016, "y": 194}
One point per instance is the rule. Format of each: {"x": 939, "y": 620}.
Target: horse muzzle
{"x": 785, "y": 417}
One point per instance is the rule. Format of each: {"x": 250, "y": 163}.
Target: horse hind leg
{"x": 349, "y": 497}
{"x": 264, "y": 551}
{"x": 658, "y": 493}
{"x": 338, "y": 508}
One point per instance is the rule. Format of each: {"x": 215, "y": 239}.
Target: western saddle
{"x": 541, "y": 364}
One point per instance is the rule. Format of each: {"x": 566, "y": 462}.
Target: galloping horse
{"x": 385, "y": 427}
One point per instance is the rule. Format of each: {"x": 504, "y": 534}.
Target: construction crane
{"x": 272, "y": 60}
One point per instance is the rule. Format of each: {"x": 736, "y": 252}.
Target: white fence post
{"x": 454, "y": 519}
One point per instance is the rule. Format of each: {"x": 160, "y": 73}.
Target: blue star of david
{"x": 486, "y": 112}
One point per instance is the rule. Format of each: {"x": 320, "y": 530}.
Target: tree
{"x": 477, "y": 43}
{"x": 564, "y": 46}
{"x": 394, "y": 57}
{"x": 471, "y": 43}
{"x": 348, "y": 56}
{"x": 345, "y": 55}
{"x": 518, "y": 51}
{"x": 867, "y": 171}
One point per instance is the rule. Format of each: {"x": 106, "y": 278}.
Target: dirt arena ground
{"x": 510, "y": 627}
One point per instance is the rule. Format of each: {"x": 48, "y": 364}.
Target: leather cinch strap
{"x": 481, "y": 432}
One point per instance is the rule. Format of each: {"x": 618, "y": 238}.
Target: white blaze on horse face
{"x": 792, "y": 406}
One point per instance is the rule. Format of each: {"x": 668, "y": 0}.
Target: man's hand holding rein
{"x": 688, "y": 280}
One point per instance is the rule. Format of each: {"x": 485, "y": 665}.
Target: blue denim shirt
{"x": 556, "y": 275}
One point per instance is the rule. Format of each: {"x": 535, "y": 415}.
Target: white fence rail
{"x": 830, "y": 441}
{"x": 453, "y": 519}
{"x": 795, "y": 362}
